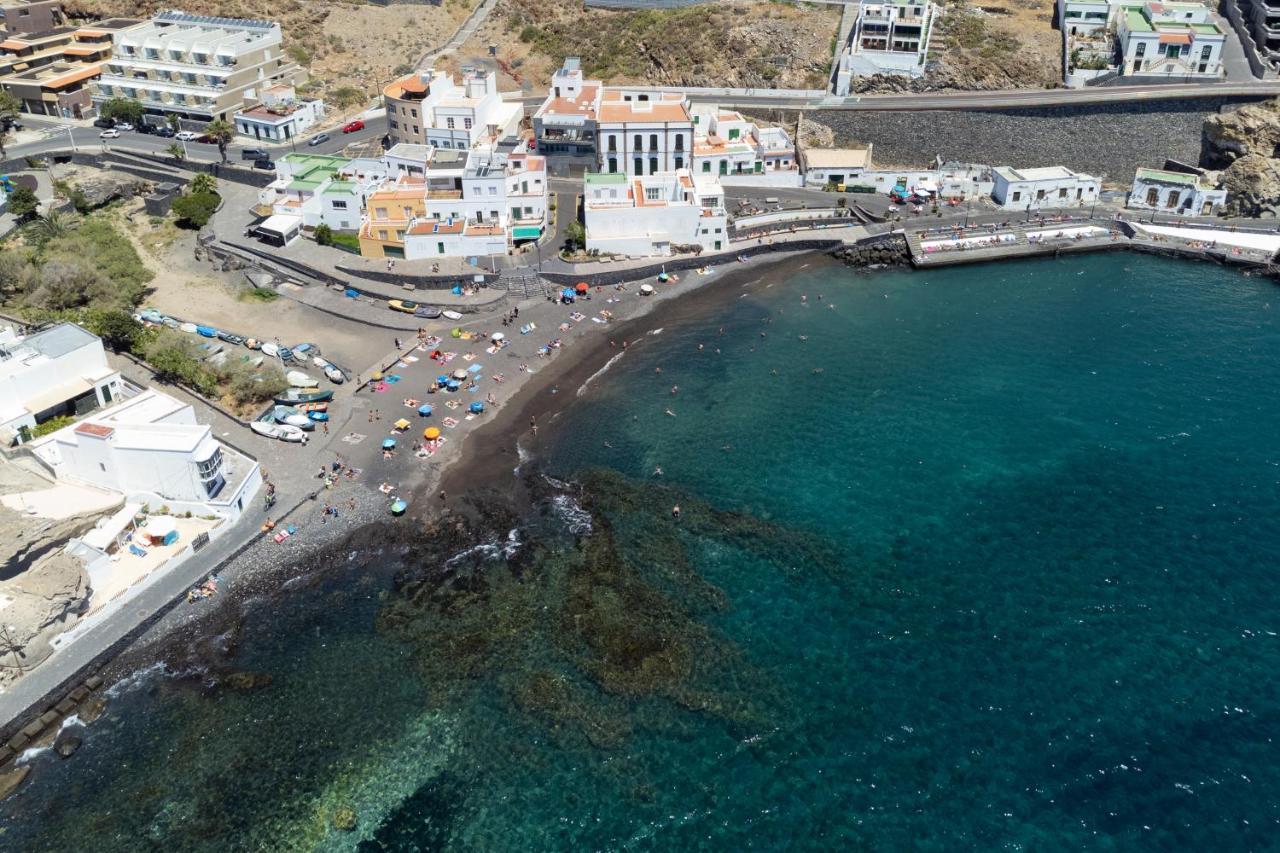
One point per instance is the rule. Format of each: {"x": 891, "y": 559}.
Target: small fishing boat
{"x": 170, "y": 323}
{"x": 283, "y": 432}
{"x": 312, "y": 407}
{"x": 451, "y": 315}
{"x": 285, "y": 354}
{"x": 318, "y": 416}
{"x": 334, "y": 374}
{"x": 190, "y": 328}
{"x": 206, "y": 331}
{"x": 271, "y": 350}
{"x": 319, "y": 362}
{"x": 292, "y": 417}
{"x": 427, "y": 313}
{"x": 303, "y": 395}
{"x": 298, "y": 379}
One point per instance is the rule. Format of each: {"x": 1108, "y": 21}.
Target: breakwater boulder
{"x": 1251, "y": 129}
{"x": 889, "y": 251}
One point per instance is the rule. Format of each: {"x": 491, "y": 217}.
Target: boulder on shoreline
{"x": 889, "y": 252}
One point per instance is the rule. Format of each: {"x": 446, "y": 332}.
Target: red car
{"x": 353, "y": 126}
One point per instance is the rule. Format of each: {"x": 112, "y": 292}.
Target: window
{"x": 1016, "y": 197}
{"x": 1206, "y": 51}
{"x": 414, "y": 113}
{"x": 449, "y": 123}
{"x": 466, "y": 123}
{"x": 613, "y": 165}
{"x": 653, "y": 165}
{"x": 613, "y": 144}
{"x": 1142, "y": 50}
{"x": 652, "y": 193}
{"x": 679, "y": 141}
{"x": 638, "y": 166}
{"x": 638, "y": 143}
{"x": 653, "y": 142}
{"x": 679, "y": 162}
{"x": 1062, "y": 193}
{"x": 338, "y": 204}
{"x": 393, "y": 124}
{"x": 733, "y": 133}
{"x": 493, "y": 190}
{"x": 706, "y": 166}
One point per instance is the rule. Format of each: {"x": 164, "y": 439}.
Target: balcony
{"x": 442, "y": 195}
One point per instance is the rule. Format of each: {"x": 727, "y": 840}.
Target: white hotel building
{"x": 195, "y": 66}
{"x": 58, "y": 371}
{"x": 651, "y": 215}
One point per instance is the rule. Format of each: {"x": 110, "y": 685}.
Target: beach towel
{"x": 475, "y": 368}
{"x": 450, "y": 423}
{"x": 448, "y": 357}
{"x": 380, "y": 387}
{"x": 469, "y": 356}
{"x": 596, "y": 320}
{"x": 401, "y": 363}
{"x": 527, "y": 328}
{"x": 452, "y": 404}
{"x": 392, "y": 378}
{"x": 410, "y": 358}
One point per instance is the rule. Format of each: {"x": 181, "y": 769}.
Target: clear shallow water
{"x": 1004, "y": 576}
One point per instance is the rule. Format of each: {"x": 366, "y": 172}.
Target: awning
{"x": 281, "y": 223}
{"x": 68, "y": 391}
{"x": 1175, "y": 38}
{"x": 526, "y": 232}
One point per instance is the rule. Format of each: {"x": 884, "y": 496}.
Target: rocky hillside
{"x": 749, "y": 43}
{"x": 1244, "y": 143}
{"x": 350, "y": 49}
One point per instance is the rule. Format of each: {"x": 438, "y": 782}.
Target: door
{"x": 1153, "y": 197}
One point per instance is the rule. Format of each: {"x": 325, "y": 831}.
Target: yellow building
{"x": 389, "y": 213}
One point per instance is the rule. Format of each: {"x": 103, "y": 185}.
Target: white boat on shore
{"x": 284, "y": 432}
{"x": 298, "y": 379}
{"x": 271, "y": 350}
{"x": 451, "y": 315}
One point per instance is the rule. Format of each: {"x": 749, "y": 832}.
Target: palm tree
{"x": 175, "y": 124}
{"x": 47, "y": 227}
{"x": 222, "y": 133}
{"x": 203, "y": 183}
{"x": 176, "y": 151}
{"x": 9, "y": 108}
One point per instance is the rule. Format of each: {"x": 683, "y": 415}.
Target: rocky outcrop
{"x": 1252, "y": 183}
{"x": 890, "y": 252}
{"x": 1251, "y": 129}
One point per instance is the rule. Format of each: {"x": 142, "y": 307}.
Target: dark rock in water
{"x": 11, "y": 779}
{"x": 344, "y": 819}
{"x": 91, "y": 709}
{"x": 66, "y": 744}
{"x": 890, "y": 251}
{"x": 246, "y": 681}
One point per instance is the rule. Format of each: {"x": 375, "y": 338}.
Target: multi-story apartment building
{"x": 31, "y": 16}
{"x": 888, "y": 37}
{"x": 434, "y": 108}
{"x": 52, "y": 72}
{"x": 1262, "y": 26}
{"x": 450, "y": 203}
{"x": 54, "y": 372}
{"x": 197, "y": 67}
{"x": 319, "y": 188}
{"x": 565, "y": 123}
{"x": 1124, "y": 38}
{"x": 657, "y": 214}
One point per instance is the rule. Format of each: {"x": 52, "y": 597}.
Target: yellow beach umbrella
{"x": 376, "y": 375}
{"x": 431, "y": 433}
{"x": 402, "y": 424}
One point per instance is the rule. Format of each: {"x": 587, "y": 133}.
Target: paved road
{"x": 59, "y": 135}
{"x": 1005, "y": 99}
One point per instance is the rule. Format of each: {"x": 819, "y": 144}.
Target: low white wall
{"x": 783, "y": 217}
{"x": 782, "y": 180}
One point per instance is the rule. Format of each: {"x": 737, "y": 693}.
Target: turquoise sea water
{"x": 981, "y": 558}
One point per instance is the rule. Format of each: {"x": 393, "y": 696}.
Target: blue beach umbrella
{"x": 425, "y": 411}
{"x": 476, "y": 407}
{"x": 398, "y": 507}
{"x": 452, "y": 385}
{"x": 388, "y": 443}
{"x": 442, "y": 378}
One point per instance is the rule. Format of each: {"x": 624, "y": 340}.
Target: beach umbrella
{"x": 476, "y": 407}
{"x": 497, "y": 336}
{"x": 376, "y": 375}
{"x": 455, "y": 332}
{"x": 646, "y": 288}
{"x": 662, "y": 276}
{"x": 398, "y": 507}
{"x": 457, "y": 290}
{"x": 402, "y": 424}
{"x": 431, "y": 433}
{"x": 388, "y": 443}
{"x": 453, "y": 385}
{"x": 425, "y": 411}
{"x": 442, "y": 378}
{"x": 460, "y": 374}
{"x": 582, "y": 287}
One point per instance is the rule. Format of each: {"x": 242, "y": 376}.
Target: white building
{"x": 280, "y": 117}
{"x": 1049, "y": 187}
{"x": 888, "y": 37}
{"x": 643, "y": 133}
{"x": 433, "y": 108}
{"x": 152, "y": 450}
{"x": 834, "y": 166}
{"x": 196, "y": 66}
{"x": 565, "y": 123}
{"x": 725, "y": 143}
{"x": 448, "y": 203}
{"x": 1150, "y": 39}
{"x": 321, "y": 188}
{"x": 1175, "y": 193}
{"x": 59, "y": 371}
{"x": 654, "y": 214}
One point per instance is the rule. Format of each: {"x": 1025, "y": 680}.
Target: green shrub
{"x": 346, "y": 240}
{"x": 51, "y": 425}
{"x": 23, "y": 203}
{"x": 195, "y": 209}
{"x": 323, "y": 235}
{"x": 97, "y": 246}
{"x": 173, "y": 357}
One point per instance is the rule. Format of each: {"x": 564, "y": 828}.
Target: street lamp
{"x": 72, "y": 137}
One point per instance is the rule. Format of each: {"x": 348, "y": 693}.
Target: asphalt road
{"x": 60, "y": 136}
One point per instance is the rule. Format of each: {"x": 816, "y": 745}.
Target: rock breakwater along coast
{"x": 1110, "y": 140}
{"x": 888, "y": 251}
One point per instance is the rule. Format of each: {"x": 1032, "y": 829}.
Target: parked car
{"x": 103, "y": 122}
{"x": 266, "y": 164}
{"x": 110, "y": 133}
{"x": 254, "y": 154}
{"x": 187, "y": 135}
{"x": 353, "y": 126}
{"x": 163, "y": 131}
{"x": 318, "y": 139}
{"x": 124, "y": 125}
{"x": 403, "y": 305}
